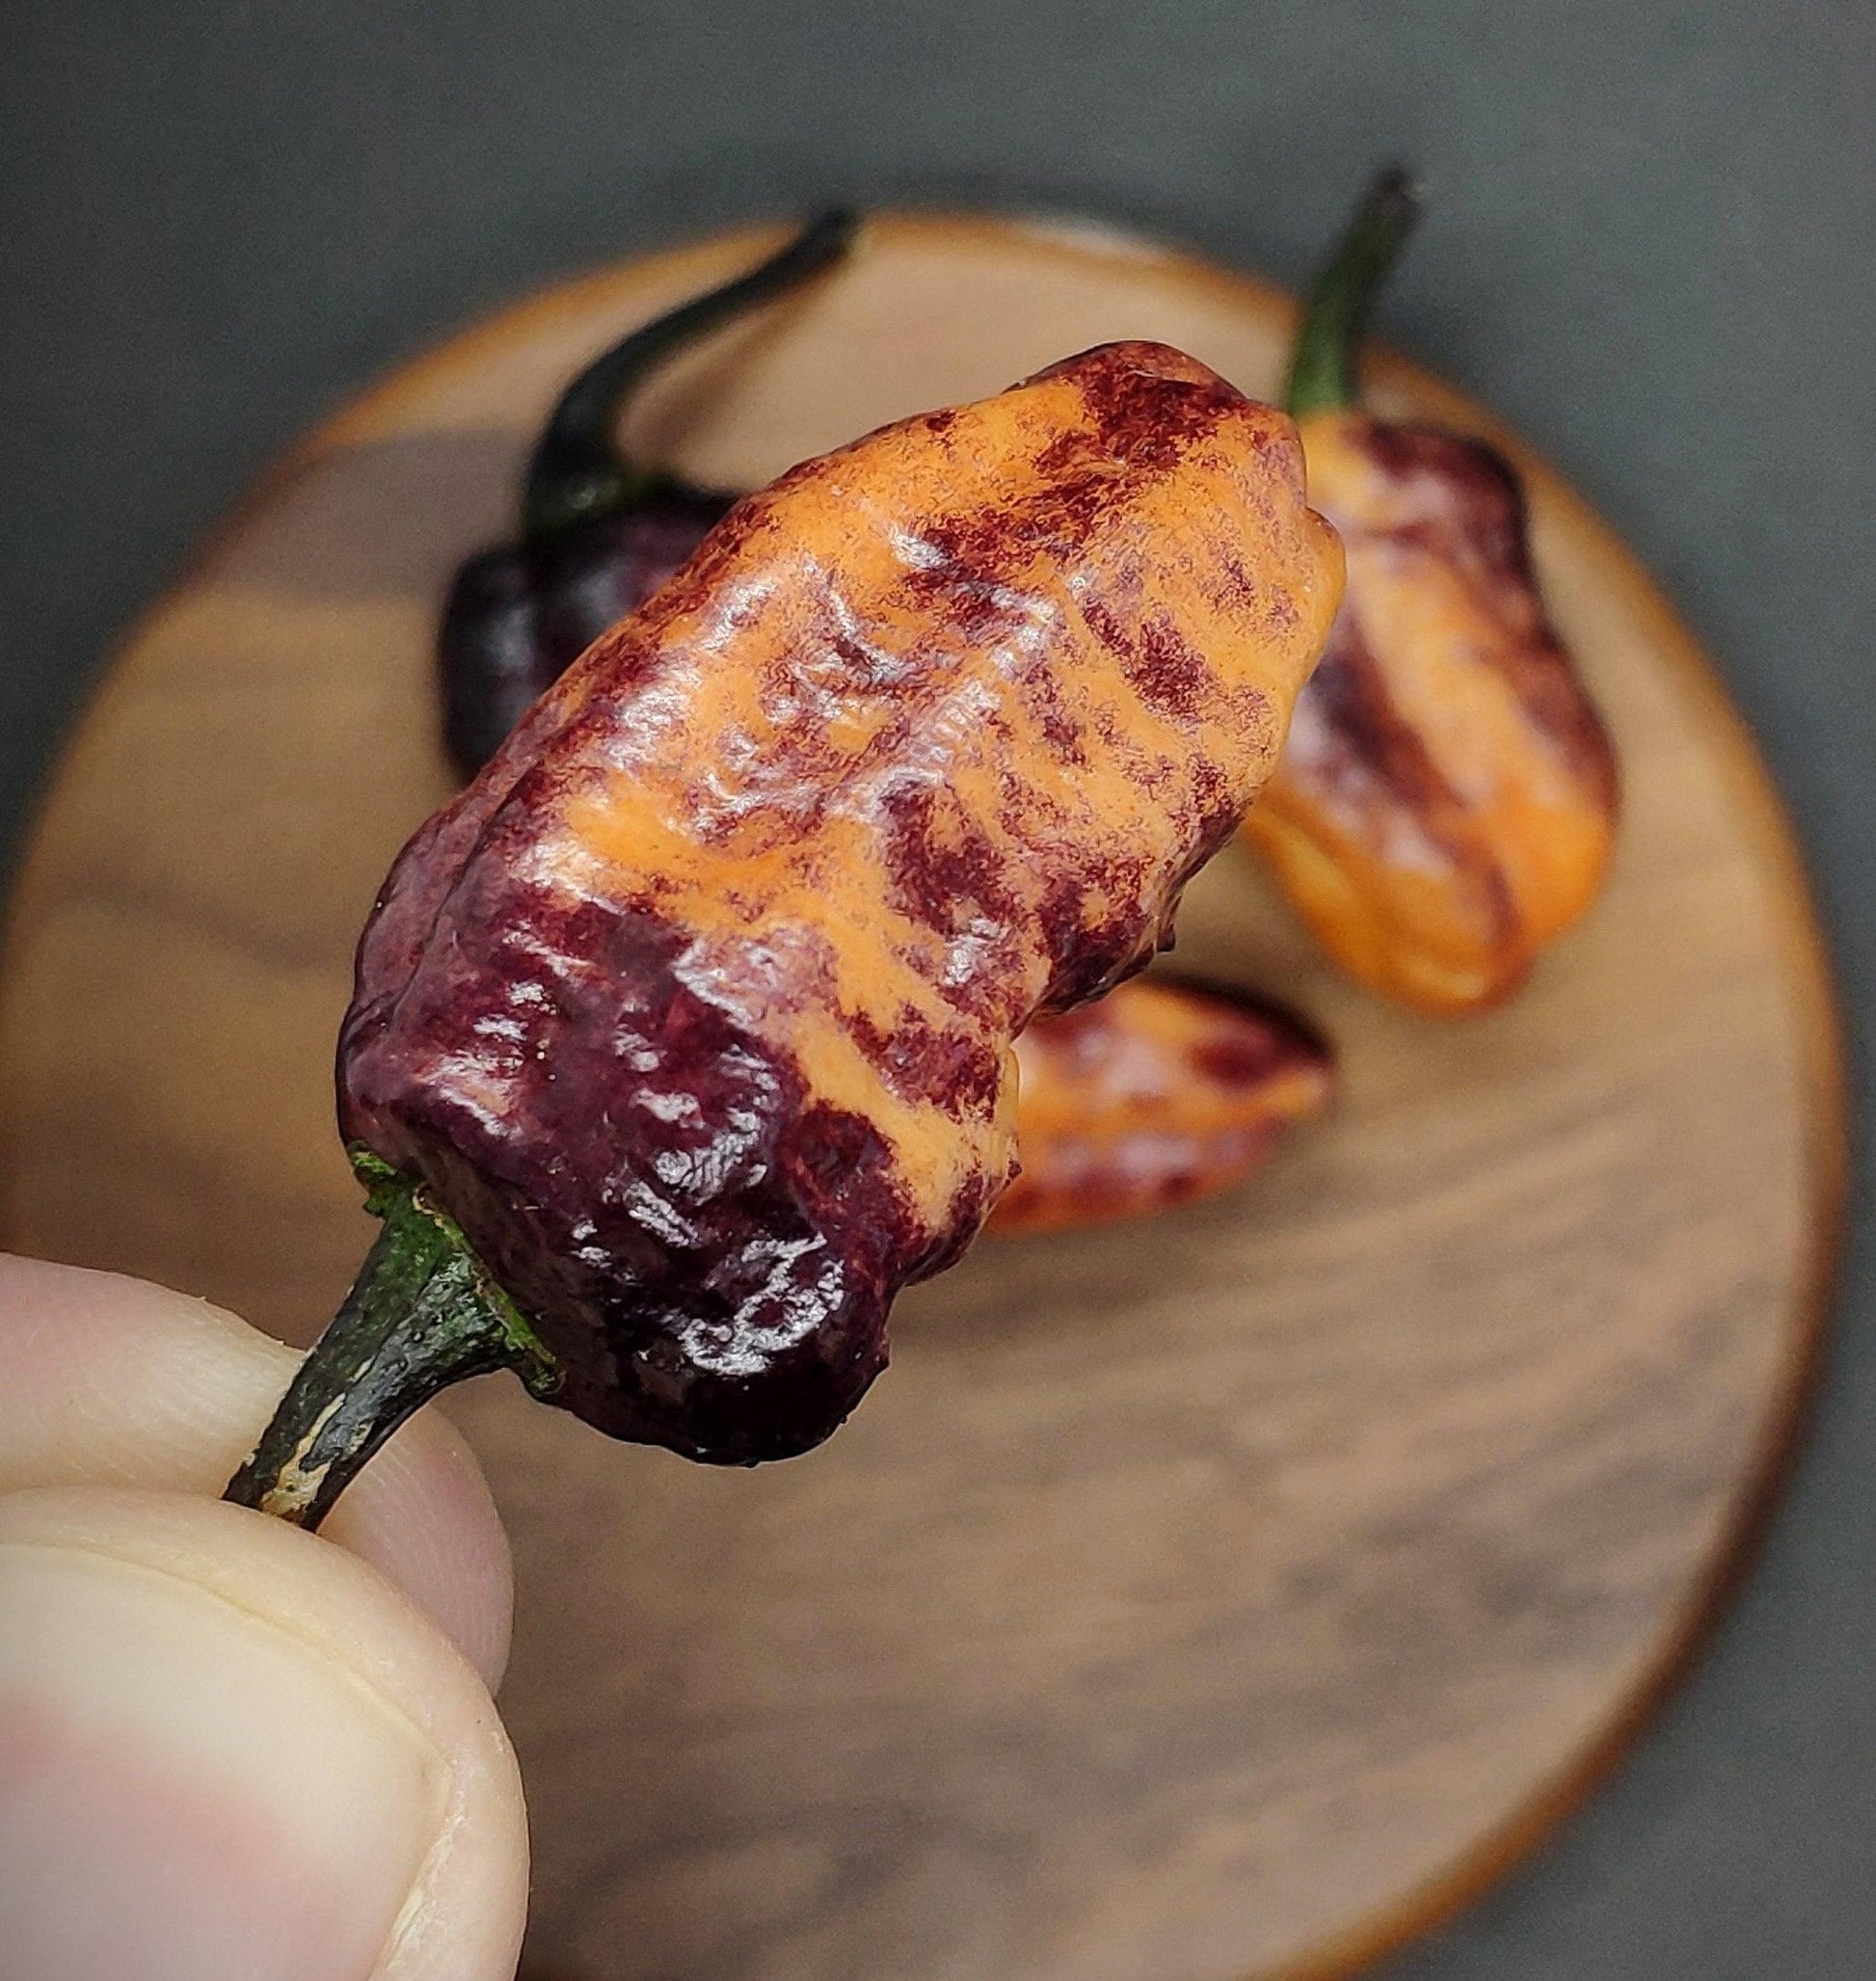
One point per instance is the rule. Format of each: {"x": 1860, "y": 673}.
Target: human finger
{"x": 230, "y": 1752}
{"x": 106, "y": 1380}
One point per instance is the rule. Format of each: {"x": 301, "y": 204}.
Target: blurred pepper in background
{"x": 600, "y": 533}
{"x": 1446, "y": 805}
{"x": 1160, "y": 1093}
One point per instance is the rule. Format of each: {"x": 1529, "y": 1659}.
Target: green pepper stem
{"x": 1341, "y": 299}
{"x": 577, "y": 469}
{"x": 422, "y": 1314}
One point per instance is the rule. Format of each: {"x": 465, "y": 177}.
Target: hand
{"x": 231, "y": 1750}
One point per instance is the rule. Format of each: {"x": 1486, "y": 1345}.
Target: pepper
{"x": 1161, "y": 1093}
{"x": 683, "y": 1038}
{"x": 599, "y": 531}
{"x": 1447, "y": 804}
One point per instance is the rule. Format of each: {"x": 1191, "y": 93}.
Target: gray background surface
{"x": 1651, "y": 248}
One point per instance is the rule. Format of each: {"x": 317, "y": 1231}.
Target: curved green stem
{"x": 1341, "y": 299}
{"x": 423, "y": 1313}
{"x": 577, "y": 469}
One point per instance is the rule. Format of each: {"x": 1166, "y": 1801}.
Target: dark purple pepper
{"x": 491, "y": 664}
{"x": 600, "y": 534}
{"x": 609, "y": 565}
{"x": 516, "y": 618}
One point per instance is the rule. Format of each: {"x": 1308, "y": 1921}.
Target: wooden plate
{"x": 1215, "y": 1596}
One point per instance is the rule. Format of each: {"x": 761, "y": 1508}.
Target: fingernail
{"x": 189, "y": 1792}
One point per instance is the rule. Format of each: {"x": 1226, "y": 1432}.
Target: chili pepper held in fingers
{"x": 1159, "y": 1094}
{"x": 1447, "y": 804}
{"x": 599, "y": 532}
{"x": 683, "y": 1038}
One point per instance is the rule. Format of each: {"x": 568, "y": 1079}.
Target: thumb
{"x": 230, "y": 1752}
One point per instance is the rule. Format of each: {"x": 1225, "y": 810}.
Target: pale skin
{"x": 232, "y": 1750}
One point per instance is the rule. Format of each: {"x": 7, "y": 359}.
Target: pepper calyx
{"x": 423, "y": 1313}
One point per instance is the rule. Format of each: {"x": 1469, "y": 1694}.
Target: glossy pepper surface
{"x": 1447, "y": 804}
{"x": 600, "y": 531}
{"x": 687, "y": 1029}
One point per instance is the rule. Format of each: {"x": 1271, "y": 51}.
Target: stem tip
{"x": 1341, "y": 299}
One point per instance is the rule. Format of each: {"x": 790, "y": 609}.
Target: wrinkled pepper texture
{"x": 599, "y": 531}
{"x": 1447, "y": 804}
{"x": 1159, "y": 1094}
{"x": 693, "y": 1017}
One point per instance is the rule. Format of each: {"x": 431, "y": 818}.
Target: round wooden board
{"x": 1215, "y": 1596}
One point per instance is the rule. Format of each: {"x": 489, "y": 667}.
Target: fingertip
{"x": 228, "y": 1749}
{"x": 421, "y": 1513}
{"x": 121, "y": 1379}
{"x": 109, "y": 1381}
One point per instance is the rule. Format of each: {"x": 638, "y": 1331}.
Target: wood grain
{"x": 1215, "y": 1596}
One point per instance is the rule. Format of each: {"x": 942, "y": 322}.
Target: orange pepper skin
{"x": 1447, "y": 804}
{"x": 1158, "y": 1094}
{"x": 696, "y": 1010}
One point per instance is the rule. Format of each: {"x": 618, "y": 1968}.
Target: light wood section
{"x": 1214, "y": 1597}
